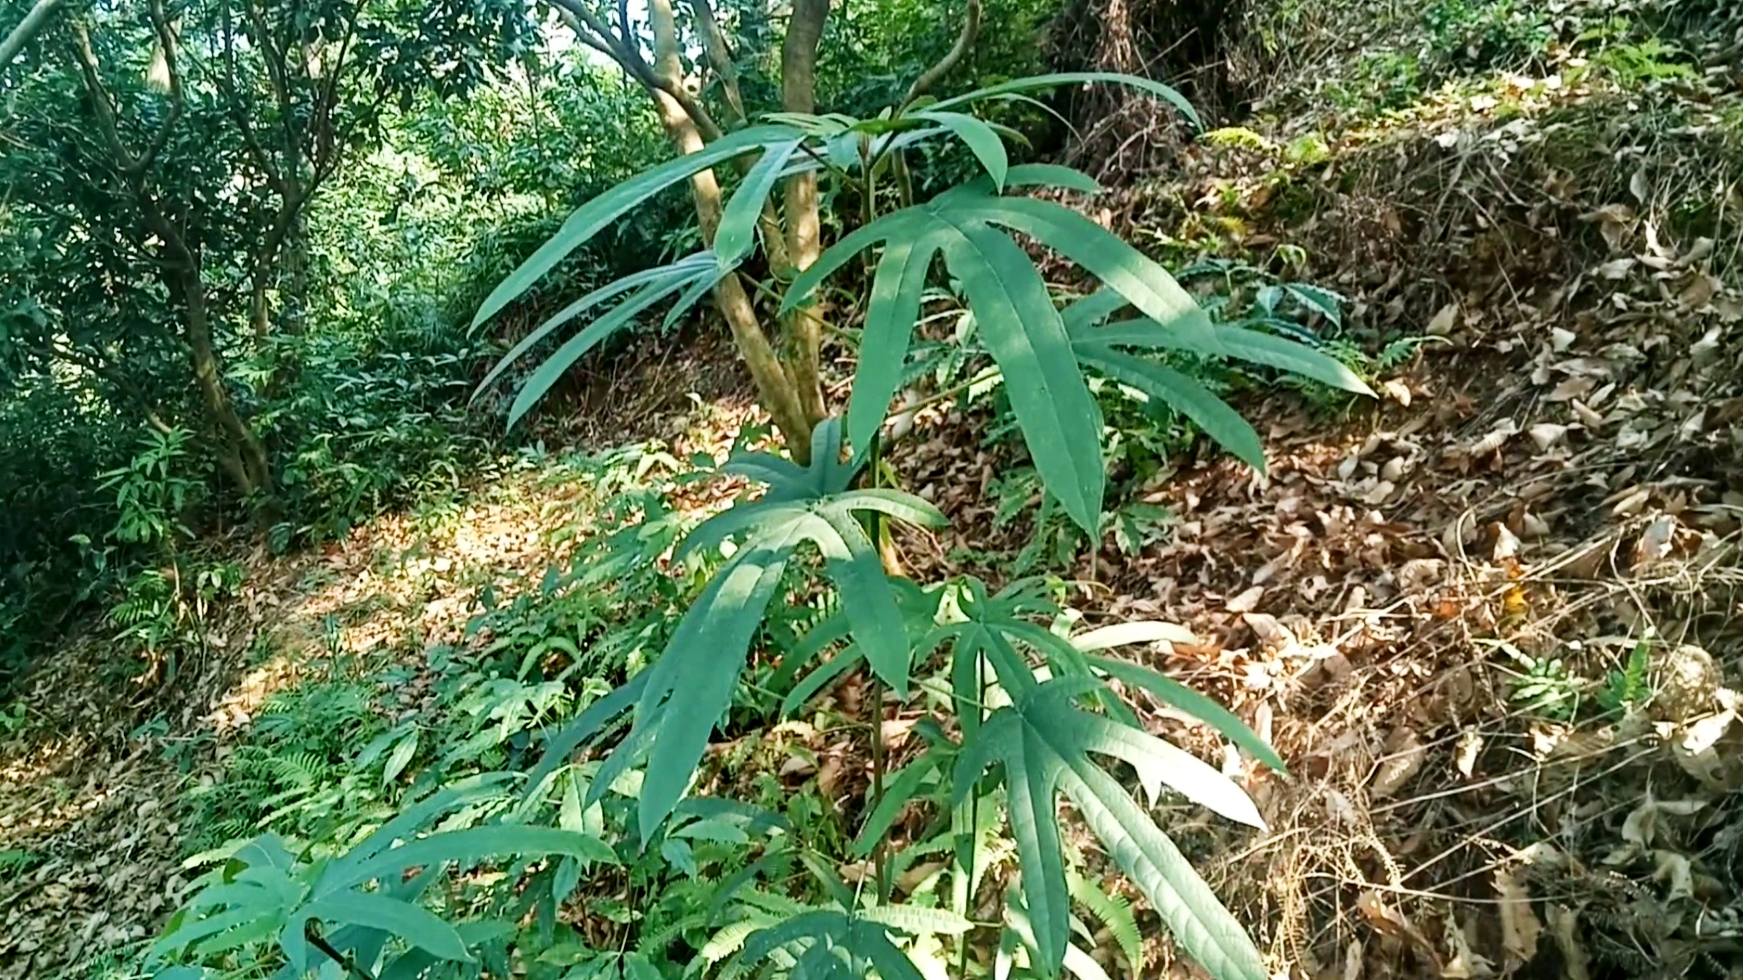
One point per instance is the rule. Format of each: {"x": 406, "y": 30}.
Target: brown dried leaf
{"x": 1520, "y": 929}
{"x": 1443, "y": 322}
{"x": 1247, "y": 601}
{"x": 1404, "y": 759}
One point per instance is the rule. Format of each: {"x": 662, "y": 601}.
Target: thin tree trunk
{"x": 799, "y": 199}
{"x": 774, "y": 386}
{"x": 241, "y": 453}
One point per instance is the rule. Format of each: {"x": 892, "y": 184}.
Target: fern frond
{"x": 1115, "y": 912}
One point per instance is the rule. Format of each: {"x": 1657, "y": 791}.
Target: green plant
{"x": 1546, "y": 686}
{"x": 1040, "y": 352}
{"x": 1015, "y": 714}
{"x": 1648, "y": 60}
{"x": 1630, "y": 687}
{"x": 320, "y": 909}
{"x": 1482, "y": 35}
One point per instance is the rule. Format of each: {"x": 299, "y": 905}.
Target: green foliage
{"x": 1630, "y": 687}
{"x": 319, "y": 909}
{"x": 687, "y": 690}
{"x": 1484, "y": 35}
{"x": 1041, "y": 739}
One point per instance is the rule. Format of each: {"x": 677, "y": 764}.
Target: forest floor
{"x": 1491, "y": 621}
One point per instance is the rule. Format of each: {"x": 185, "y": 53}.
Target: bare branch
{"x": 28, "y": 28}
{"x": 719, "y": 56}
{"x": 239, "y": 113}
{"x": 101, "y": 104}
{"x": 952, "y": 58}
{"x": 623, "y": 50}
{"x": 166, "y": 41}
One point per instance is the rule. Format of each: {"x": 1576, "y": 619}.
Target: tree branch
{"x": 622, "y": 49}
{"x": 28, "y": 28}
{"x": 101, "y": 104}
{"x": 719, "y": 56}
{"x": 166, "y": 40}
{"x": 239, "y": 112}
{"x": 952, "y": 58}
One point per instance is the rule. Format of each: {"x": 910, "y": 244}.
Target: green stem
{"x": 973, "y": 828}
{"x": 880, "y": 853}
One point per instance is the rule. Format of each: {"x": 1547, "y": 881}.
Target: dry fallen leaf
{"x": 1496, "y": 438}
{"x": 1466, "y": 963}
{"x": 1405, "y": 754}
{"x": 1520, "y": 929}
{"x": 1443, "y": 322}
{"x": 1565, "y": 923}
{"x": 1546, "y": 434}
{"x": 1674, "y": 870}
{"x": 1470, "y": 746}
{"x": 1247, "y": 601}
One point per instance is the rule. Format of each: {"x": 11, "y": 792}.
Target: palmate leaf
{"x": 1043, "y": 742}
{"x": 265, "y": 890}
{"x": 1019, "y": 324}
{"x": 829, "y": 943}
{"x": 995, "y": 629}
{"x": 689, "y": 688}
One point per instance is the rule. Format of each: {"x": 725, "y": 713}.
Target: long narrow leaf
{"x": 1181, "y": 393}
{"x": 1179, "y": 696}
{"x": 907, "y": 223}
{"x": 616, "y": 287}
{"x": 867, "y": 598}
{"x": 980, "y": 138}
{"x": 598, "y": 213}
{"x": 416, "y": 925}
{"x": 1037, "y": 82}
{"x": 899, "y": 790}
{"x": 1139, "y": 631}
{"x": 1291, "y": 356}
{"x": 736, "y": 235}
{"x": 1121, "y": 267}
{"x": 893, "y": 309}
{"x": 820, "y": 678}
{"x": 621, "y": 315}
{"x": 586, "y": 724}
{"x": 1194, "y": 914}
{"x": 730, "y": 610}
{"x": 1023, "y": 332}
{"x": 463, "y": 846}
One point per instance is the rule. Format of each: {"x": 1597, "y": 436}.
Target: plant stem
{"x": 880, "y": 853}
{"x": 973, "y": 826}
{"x": 351, "y": 966}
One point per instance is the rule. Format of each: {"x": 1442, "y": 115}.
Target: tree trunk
{"x": 240, "y": 453}
{"x": 799, "y": 199}
{"x": 775, "y": 387}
